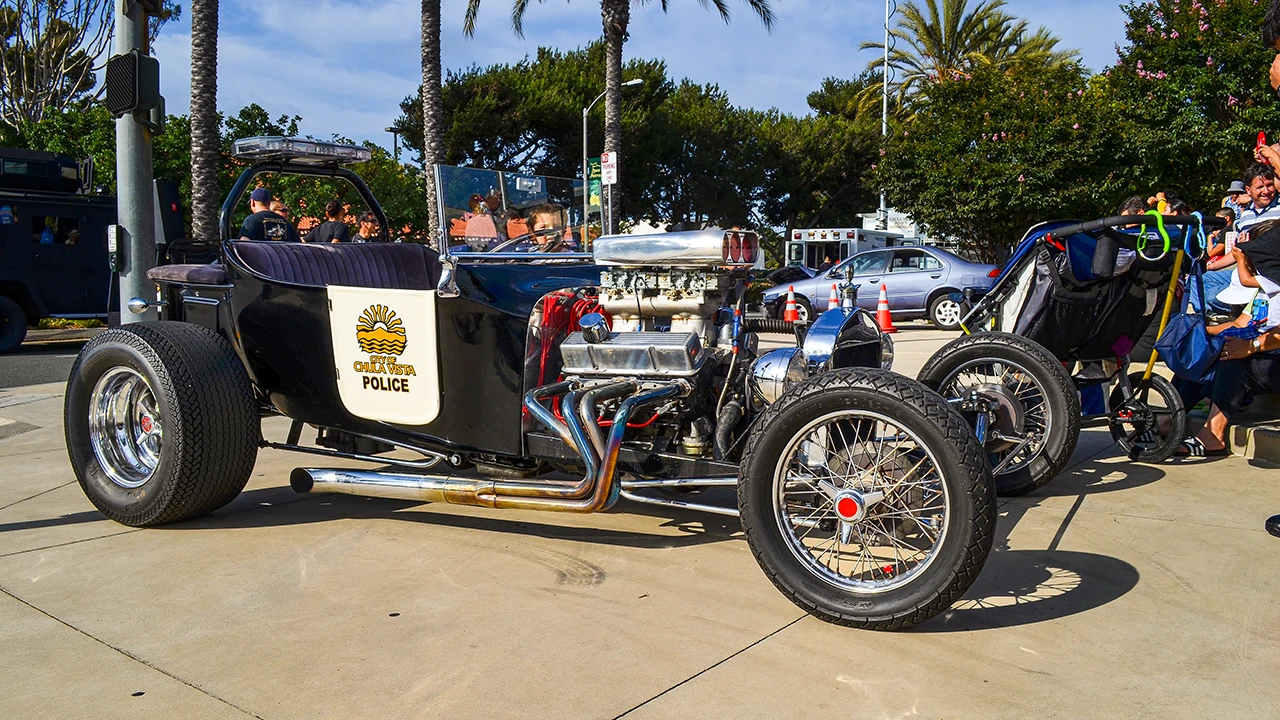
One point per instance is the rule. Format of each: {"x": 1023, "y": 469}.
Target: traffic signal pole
{"x": 134, "y": 187}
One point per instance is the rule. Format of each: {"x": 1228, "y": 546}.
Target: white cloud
{"x": 344, "y": 65}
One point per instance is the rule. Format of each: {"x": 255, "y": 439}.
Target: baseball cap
{"x": 1236, "y": 293}
{"x": 261, "y": 195}
{"x": 1237, "y": 187}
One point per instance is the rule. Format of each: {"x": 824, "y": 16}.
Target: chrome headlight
{"x": 886, "y": 352}
{"x": 777, "y": 370}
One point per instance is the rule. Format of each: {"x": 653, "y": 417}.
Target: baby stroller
{"x": 1082, "y": 295}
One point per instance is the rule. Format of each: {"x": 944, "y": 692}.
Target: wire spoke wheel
{"x": 1022, "y": 420}
{"x": 124, "y": 427}
{"x": 861, "y": 502}
{"x": 865, "y": 499}
{"x": 1018, "y": 398}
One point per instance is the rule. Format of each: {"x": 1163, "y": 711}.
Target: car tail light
{"x": 994, "y": 273}
{"x": 735, "y": 247}
{"x": 796, "y": 235}
{"x": 851, "y": 234}
{"x": 749, "y": 248}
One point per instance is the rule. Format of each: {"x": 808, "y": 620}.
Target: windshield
{"x": 493, "y": 211}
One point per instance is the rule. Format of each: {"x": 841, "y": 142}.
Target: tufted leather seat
{"x": 399, "y": 266}
{"x": 209, "y": 274}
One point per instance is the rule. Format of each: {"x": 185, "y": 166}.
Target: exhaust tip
{"x": 300, "y": 480}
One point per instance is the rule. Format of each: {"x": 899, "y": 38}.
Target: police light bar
{"x": 299, "y": 150}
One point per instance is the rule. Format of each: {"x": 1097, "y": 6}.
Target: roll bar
{"x": 289, "y": 168}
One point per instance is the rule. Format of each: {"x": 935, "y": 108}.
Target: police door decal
{"x": 384, "y": 348}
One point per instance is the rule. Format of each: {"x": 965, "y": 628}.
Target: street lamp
{"x": 395, "y": 142}
{"x": 586, "y": 183}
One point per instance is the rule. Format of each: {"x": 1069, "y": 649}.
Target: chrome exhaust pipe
{"x": 598, "y": 490}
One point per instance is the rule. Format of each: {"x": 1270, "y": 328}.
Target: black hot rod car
{"x": 519, "y": 374}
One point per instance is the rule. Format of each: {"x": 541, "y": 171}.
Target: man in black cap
{"x": 264, "y": 224}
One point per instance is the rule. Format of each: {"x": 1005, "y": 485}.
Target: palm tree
{"x": 204, "y": 120}
{"x": 616, "y": 17}
{"x": 932, "y": 43}
{"x": 432, "y": 109}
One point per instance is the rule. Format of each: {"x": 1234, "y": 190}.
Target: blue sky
{"x": 344, "y": 65}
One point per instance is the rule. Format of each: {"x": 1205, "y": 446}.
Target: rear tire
{"x": 945, "y": 313}
{"x": 803, "y": 309}
{"x": 904, "y": 444}
{"x": 13, "y": 324}
{"x": 161, "y": 423}
{"x": 1044, "y": 395}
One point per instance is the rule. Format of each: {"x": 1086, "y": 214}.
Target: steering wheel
{"x": 524, "y": 238}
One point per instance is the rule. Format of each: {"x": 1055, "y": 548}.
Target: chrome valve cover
{"x": 634, "y": 354}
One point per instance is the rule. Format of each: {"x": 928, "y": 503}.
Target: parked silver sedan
{"x": 919, "y": 282}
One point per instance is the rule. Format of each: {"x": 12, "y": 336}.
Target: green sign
{"x": 593, "y": 184}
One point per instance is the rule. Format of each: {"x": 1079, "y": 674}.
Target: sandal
{"x": 1193, "y": 447}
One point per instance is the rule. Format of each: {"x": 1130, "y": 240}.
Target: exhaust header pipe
{"x": 598, "y": 490}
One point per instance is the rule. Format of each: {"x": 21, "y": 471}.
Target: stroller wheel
{"x": 1027, "y": 402}
{"x": 1151, "y": 425}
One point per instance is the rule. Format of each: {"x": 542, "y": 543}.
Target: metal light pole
{"x": 586, "y": 181}
{"x": 134, "y": 174}
{"x": 882, "y": 216}
{"x": 395, "y": 142}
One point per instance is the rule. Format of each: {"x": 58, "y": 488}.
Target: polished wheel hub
{"x": 125, "y": 428}
{"x": 861, "y": 502}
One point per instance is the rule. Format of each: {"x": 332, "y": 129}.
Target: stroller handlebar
{"x": 1211, "y": 222}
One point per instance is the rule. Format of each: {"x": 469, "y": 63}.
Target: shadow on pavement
{"x": 696, "y": 528}
{"x": 1020, "y": 587}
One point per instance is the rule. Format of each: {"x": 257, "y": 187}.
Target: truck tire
{"x": 866, "y": 499}
{"x": 13, "y": 324}
{"x": 161, "y": 423}
{"x": 1035, "y": 397}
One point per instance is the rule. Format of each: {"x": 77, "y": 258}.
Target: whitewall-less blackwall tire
{"x": 161, "y": 423}
{"x": 866, "y": 499}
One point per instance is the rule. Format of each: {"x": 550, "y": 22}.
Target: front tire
{"x": 889, "y": 448}
{"x": 1038, "y": 408}
{"x": 161, "y": 423}
{"x": 13, "y": 324}
{"x": 1135, "y": 425}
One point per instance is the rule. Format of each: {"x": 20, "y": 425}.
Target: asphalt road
{"x": 38, "y": 362}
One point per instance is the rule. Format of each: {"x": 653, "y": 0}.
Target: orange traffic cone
{"x": 834, "y": 301}
{"x": 883, "y": 318}
{"x": 790, "y": 314}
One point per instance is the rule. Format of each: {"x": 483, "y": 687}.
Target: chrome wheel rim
{"x": 1035, "y": 421}
{"x": 125, "y": 428}
{"x": 860, "y": 501}
{"x": 802, "y": 312}
{"x": 947, "y": 313}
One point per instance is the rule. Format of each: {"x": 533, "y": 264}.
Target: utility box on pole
{"x": 133, "y": 93}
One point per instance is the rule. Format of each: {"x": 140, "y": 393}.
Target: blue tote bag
{"x": 1186, "y": 346}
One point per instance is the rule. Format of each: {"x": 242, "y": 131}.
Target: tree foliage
{"x": 932, "y": 42}
{"x": 1192, "y": 80}
{"x": 992, "y": 152}
{"x": 50, "y": 51}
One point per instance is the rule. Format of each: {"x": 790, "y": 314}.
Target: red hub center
{"x": 847, "y": 508}
{"x": 146, "y": 423}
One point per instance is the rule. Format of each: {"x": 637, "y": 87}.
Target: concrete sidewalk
{"x": 1118, "y": 590}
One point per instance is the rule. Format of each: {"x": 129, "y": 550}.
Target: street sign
{"x": 609, "y": 168}
{"x": 593, "y": 185}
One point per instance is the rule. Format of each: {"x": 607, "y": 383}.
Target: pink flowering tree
{"x": 1192, "y": 83}
{"x": 991, "y": 152}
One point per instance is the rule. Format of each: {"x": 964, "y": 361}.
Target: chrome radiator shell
{"x": 634, "y": 354}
